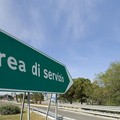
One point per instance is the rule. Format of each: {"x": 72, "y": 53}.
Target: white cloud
{"x": 69, "y": 17}
{"x": 75, "y": 15}
{"x": 14, "y": 23}
{"x": 76, "y": 57}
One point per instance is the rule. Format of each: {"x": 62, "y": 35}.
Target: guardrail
{"x": 107, "y": 111}
{"x": 51, "y": 114}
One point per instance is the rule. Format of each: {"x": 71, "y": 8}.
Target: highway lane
{"x": 75, "y": 115}
{"x": 69, "y": 114}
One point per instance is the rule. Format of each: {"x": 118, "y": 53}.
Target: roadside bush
{"x": 9, "y": 109}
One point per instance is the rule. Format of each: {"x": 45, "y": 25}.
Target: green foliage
{"x": 109, "y": 85}
{"x": 98, "y": 94}
{"x": 79, "y": 91}
{"x": 82, "y": 89}
{"x": 105, "y": 90}
{"x": 37, "y": 97}
{"x": 9, "y": 109}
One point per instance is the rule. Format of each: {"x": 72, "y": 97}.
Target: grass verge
{"x": 33, "y": 116}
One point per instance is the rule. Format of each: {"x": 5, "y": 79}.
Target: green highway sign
{"x": 23, "y": 68}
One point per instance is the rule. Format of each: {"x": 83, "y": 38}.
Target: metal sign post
{"x": 56, "y": 107}
{"x": 22, "y": 107}
{"x": 28, "y": 112}
{"x": 48, "y": 107}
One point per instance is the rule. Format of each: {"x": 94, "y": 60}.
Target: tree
{"x": 98, "y": 93}
{"x": 37, "y": 97}
{"x": 110, "y": 81}
{"x": 20, "y": 97}
{"x": 69, "y": 95}
{"x": 79, "y": 91}
{"x": 82, "y": 89}
{"x": 41, "y": 97}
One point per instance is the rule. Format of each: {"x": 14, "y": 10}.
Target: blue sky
{"x": 82, "y": 34}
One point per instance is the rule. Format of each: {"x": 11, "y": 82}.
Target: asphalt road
{"x": 69, "y": 114}
{"x": 75, "y": 115}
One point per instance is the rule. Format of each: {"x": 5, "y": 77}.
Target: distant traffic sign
{"x": 23, "y": 68}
